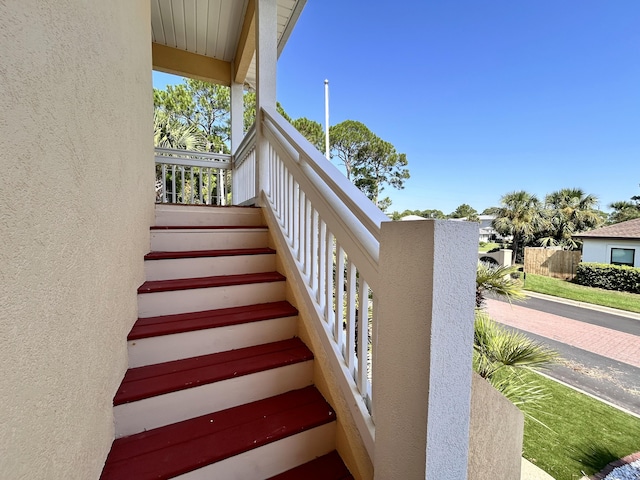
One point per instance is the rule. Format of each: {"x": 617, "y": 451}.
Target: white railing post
{"x": 266, "y": 60}
{"x": 423, "y": 349}
{"x": 237, "y": 126}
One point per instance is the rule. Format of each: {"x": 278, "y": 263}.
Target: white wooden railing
{"x": 390, "y": 302}
{"x": 189, "y": 177}
{"x": 244, "y": 170}
{"x": 332, "y": 232}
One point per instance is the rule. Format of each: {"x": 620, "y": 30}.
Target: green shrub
{"x": 609, "y": 277}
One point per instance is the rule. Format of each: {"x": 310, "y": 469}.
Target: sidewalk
{"x": 619, "y": 346}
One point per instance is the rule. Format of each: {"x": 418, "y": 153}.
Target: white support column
{"x": 422, "y": 358}
{"x": 266, "y": 60}
{"x": 237, "y": 115}
{"x": 237, "y": 124}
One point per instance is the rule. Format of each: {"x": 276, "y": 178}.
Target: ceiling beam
{"x": 187, "y": 64}
{"x": 246, "y": 44}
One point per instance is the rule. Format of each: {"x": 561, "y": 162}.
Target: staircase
{"x": 218, "y": 386}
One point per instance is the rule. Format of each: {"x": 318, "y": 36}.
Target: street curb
{"x": 589, "y": 306}
{"x": 606, "y": 402}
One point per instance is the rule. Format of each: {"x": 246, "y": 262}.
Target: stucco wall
{"x": 495, "y": 434}
{"x": 76, "y": 158}
{"x": 599, "y": 250}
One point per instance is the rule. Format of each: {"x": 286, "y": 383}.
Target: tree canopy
{"x": 196, "y": 115}
{"x": 465, "y": 211}
{"x": 370, "y": 162}
{"x": 519, "y": 215}
{"x": 346, "y": 140}
{"x": 200, "y": 105}
{"x": 566, "y": 212}
{"x": 311, "y": 130}
{"x": 625, "y": 210}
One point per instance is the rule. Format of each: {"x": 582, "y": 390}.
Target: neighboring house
{"x": 486, "y": 231}
{"x": 78, "y": 193}
{"x": 618, "y": 244}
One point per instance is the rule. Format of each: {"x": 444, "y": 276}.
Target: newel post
{"x": 266, "y": 60}
{"x": 422, "y": 360}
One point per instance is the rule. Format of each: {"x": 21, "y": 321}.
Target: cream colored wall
{"x": 495, "y": 434}
{"x": 76, "y": 194}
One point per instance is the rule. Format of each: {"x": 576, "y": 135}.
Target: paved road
{"x": 601, "y": 352}
{"x": 594, "y": 317}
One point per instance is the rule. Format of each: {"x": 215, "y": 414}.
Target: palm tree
{"x": 500, "y": 356}
{"x": 169, "y": 133}
{"x": 625, "y": 210}
{"x": 569, "y": 211}
{"x": 519, "y": 215}
{"x": 497, "y": 281}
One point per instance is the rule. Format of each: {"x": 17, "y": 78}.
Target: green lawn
{"x": 564, "y": 289}
{"x": 487, "y": 246}
{"x": 581, "y": 434}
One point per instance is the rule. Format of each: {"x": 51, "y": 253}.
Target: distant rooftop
{"x": 623, "y": 230}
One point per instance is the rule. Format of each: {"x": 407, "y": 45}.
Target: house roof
{"x": 629, "y": 230}
{"x": 213, "y": 39}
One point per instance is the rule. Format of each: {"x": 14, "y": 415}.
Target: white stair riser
{"x": 271, "y": 459}
{"x": 208, "y": 266}
{"x": 186, "y": 240}
{"x": 183, "y": 215}
{"x": 154, "y": 412}
{"x": 148, "y": 351}
{"x": 199, "y": 299}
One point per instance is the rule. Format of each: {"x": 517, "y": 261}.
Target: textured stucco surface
{"x": 422, "y": 362}
{"x": 495, "y": 436}
{"x": 76, "y": 156}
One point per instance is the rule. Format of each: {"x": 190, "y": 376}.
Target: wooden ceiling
{"x": 213, "y": 39}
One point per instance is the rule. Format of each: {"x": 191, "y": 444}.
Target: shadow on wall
{"x": 500, "y": 258}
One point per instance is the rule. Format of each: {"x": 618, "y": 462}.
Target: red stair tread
{"x": 186, "y": 322}
{"x": 208, "y": 253}
{"x": 207, "y": 227}
{"x": 158, "y": 379}
{"x": 204, "y": 282}
{"x": 327, "y": 467}
{"x": 175, "y": 449}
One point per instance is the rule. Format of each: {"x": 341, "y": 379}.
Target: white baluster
{"x": 173, "y": 184}
{"x": 164, "y": 183}
{"x": 328, "y": 304}
{"x": 182, "y": 200}
{"x": 338, "y": 332}
{"x": 350, "y": 348}
{"x": 322, "y": 270}
{"x": 363, "y": 335}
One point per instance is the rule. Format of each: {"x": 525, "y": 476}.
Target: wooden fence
{"x": 551, "y": 263}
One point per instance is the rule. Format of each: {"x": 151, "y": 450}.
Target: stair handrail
{"x": 244, "y": 170}
{"x": 332, "y": 231}
{"x": 365, "y": 211}
{"x": 246, "y": 145}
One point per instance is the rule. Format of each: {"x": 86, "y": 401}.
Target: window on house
{"x": 623, "y": 256}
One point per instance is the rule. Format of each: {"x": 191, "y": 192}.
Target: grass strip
{"x": 485, "y": 247}
{"x": 561, "y": 288}
{"x": 580, "y": 435}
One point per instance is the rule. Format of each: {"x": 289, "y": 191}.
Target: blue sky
{"x": 484, "y": 97}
